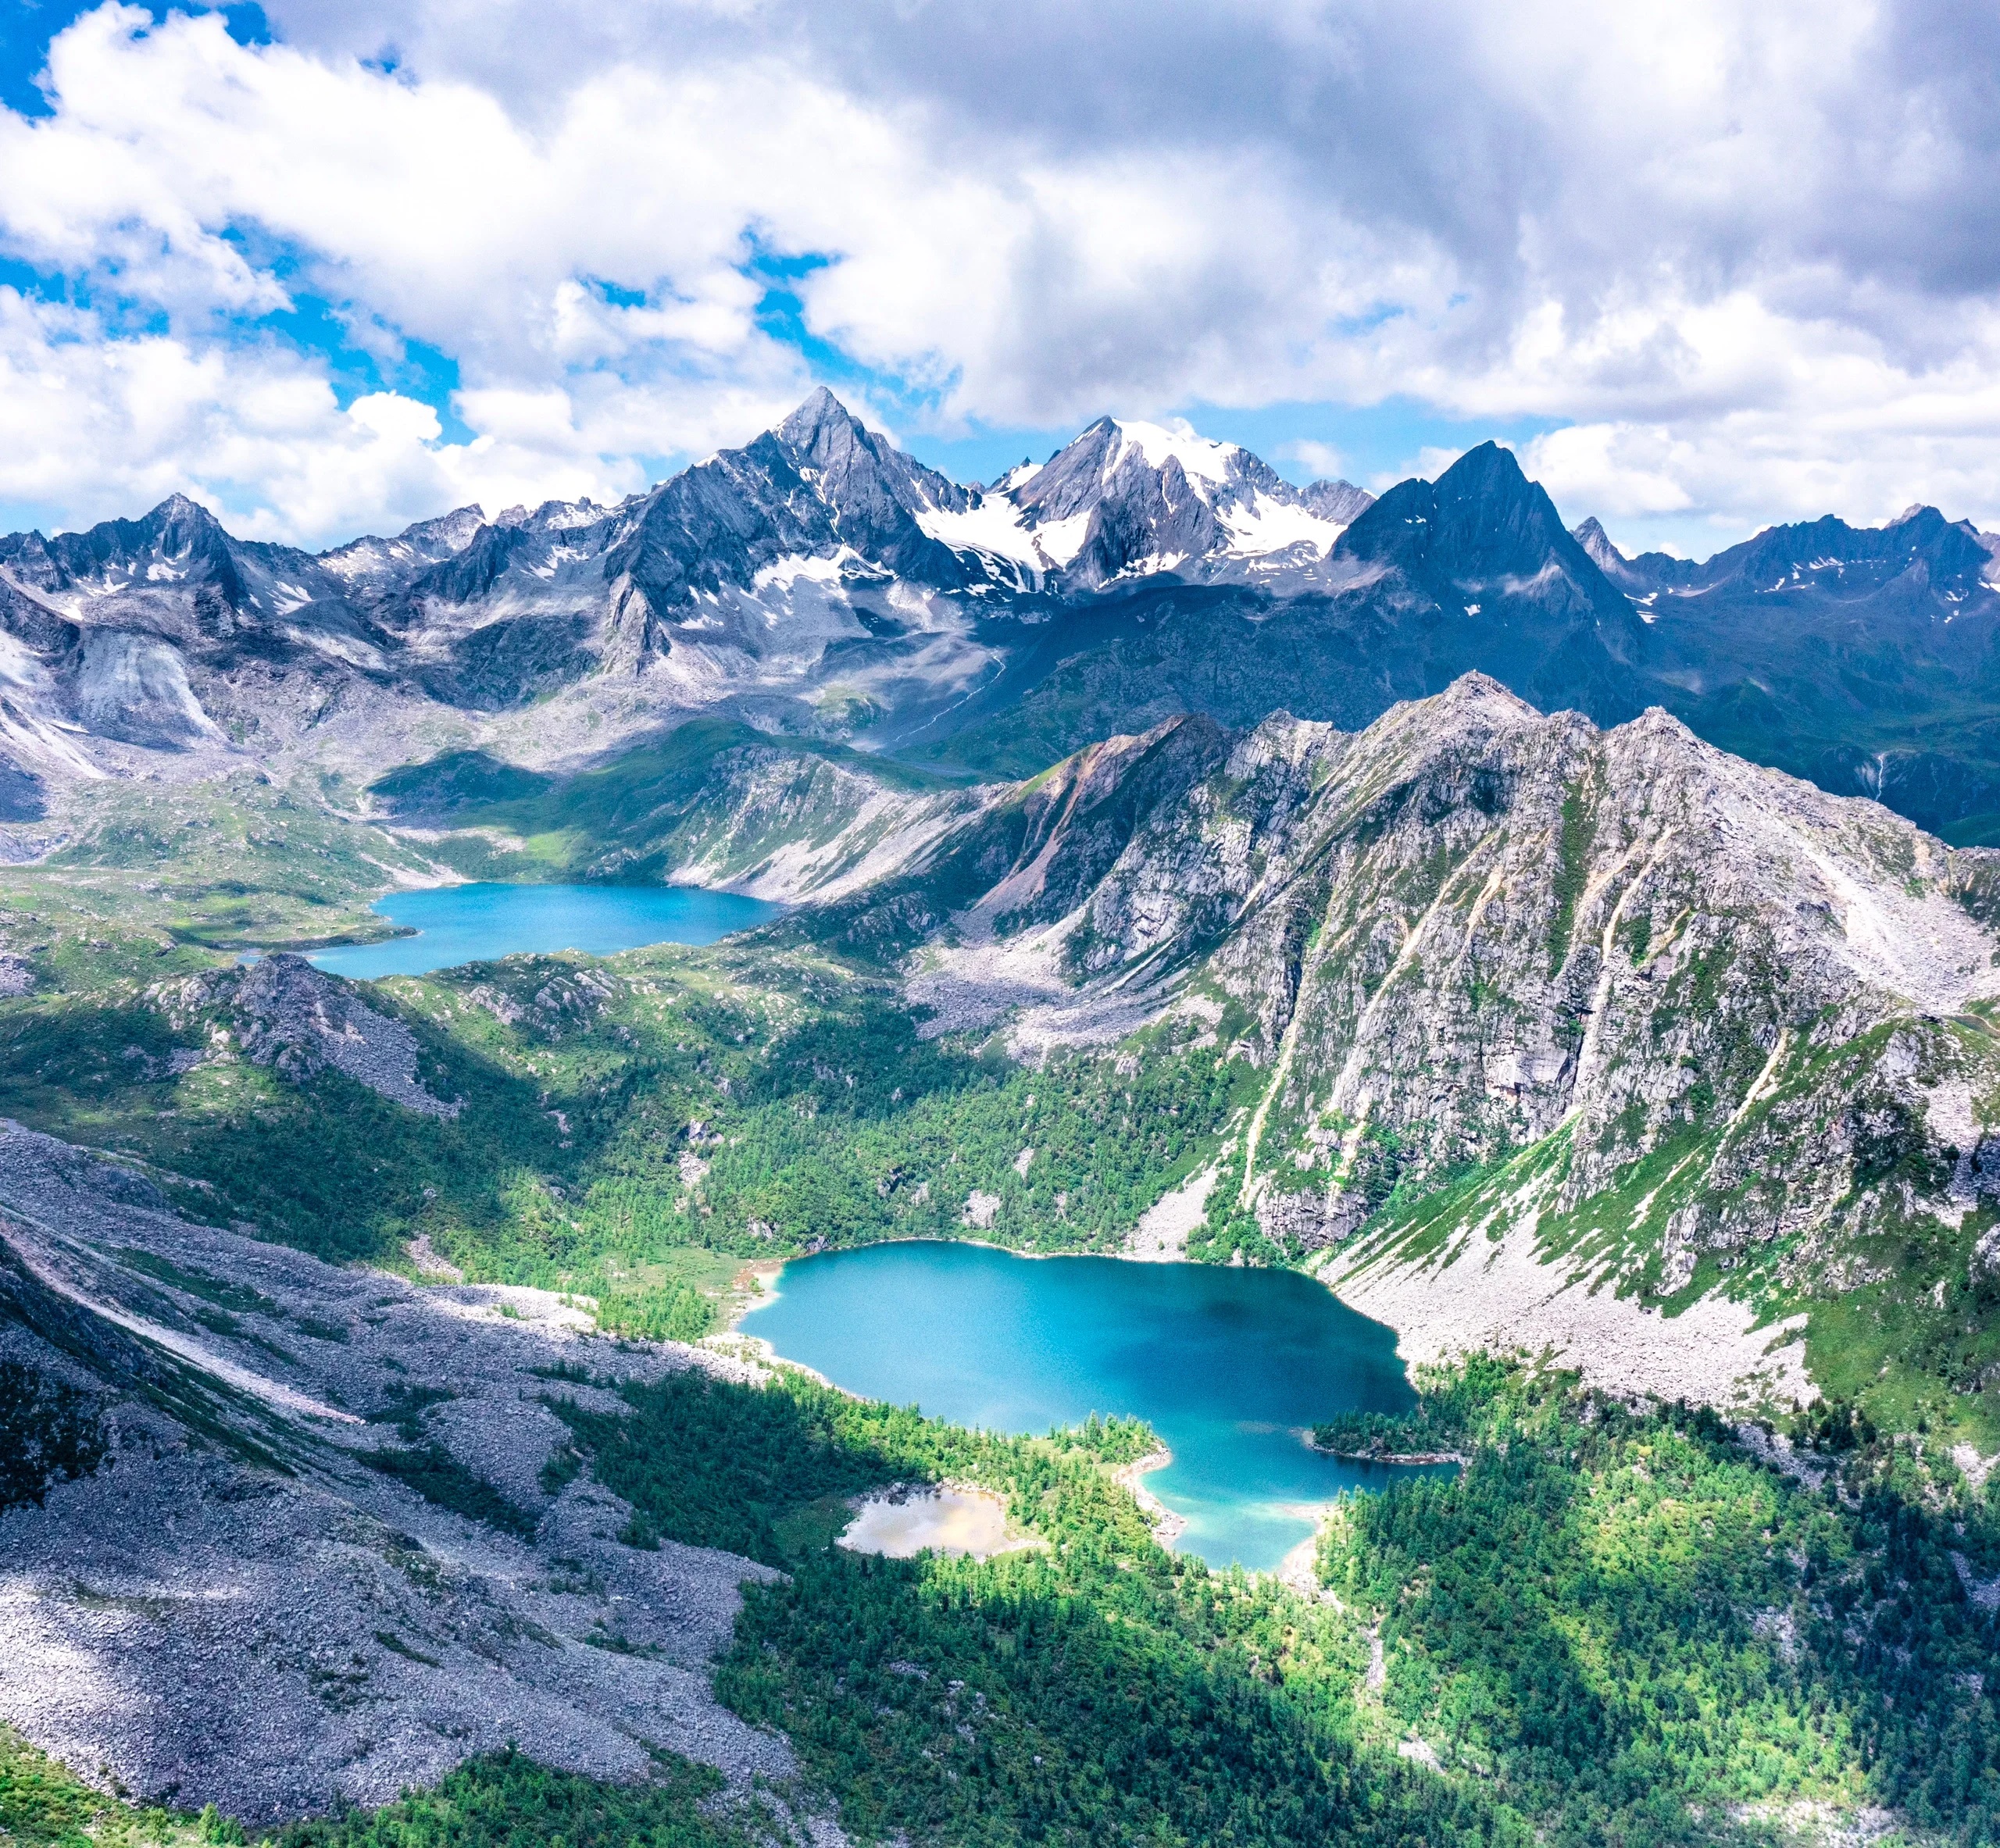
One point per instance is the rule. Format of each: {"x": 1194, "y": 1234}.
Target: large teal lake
{"x": 1230, "y": 1367}
{"x": 475, "y": 923}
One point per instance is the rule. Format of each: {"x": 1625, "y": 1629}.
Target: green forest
{"x": 1609, "y": 1626}
{"x": 632, "y": 1131}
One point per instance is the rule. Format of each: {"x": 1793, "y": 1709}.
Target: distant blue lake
{"x": 476, "y": 923}
{"x": 1230, "y": 1367}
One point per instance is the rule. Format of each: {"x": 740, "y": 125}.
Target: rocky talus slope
{"x": 240, "y": 1607}
{"x": 289, "y": 1015}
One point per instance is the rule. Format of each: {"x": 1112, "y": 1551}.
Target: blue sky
{"x": 1371, "y": 442}
{"x": 333, "y": 265}
{"x": 27, "y": 27}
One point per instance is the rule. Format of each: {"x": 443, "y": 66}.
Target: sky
{"x": 330, "y": 267}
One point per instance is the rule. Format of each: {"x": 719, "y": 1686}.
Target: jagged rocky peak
{"x": 1472, "y": 926}
{"x": 1340, "y": 501}
{"x": 1922, "y": 541}
{"x": 1827, "y": 558}
{"x": 1078, "y": 477}
{"x": 425, "y": 542}
{"x": 857, "y": 470}
{"x": 179, "y": 540}
{"x": 1591, "y": 535}
{"x": 1127, "y": 498}
{"x": 1485, "y": 546}
{"x": 1481, "y": 519}
{"x": 1280, "y": 738}
{"x": 1648, "y": 572}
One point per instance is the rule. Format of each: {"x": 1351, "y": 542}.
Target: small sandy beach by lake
{"x": 901, "y": 1522}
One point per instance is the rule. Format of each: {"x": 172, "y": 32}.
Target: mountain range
{"x": 819, "y": 584}
{"x": 1176, "y": 863}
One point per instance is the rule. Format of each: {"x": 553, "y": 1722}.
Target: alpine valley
{"x": 1588, "y": 966}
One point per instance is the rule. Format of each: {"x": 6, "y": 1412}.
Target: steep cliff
{"x": 1685, "y": 1025}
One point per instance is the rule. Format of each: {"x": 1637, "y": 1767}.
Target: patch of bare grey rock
{"x": 290, "y": 1017}
{"x": 238, "y": 1608}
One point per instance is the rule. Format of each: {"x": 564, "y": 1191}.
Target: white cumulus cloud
{"x": 1737, "y": 254}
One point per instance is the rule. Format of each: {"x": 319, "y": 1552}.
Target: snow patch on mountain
{"x": 1201, "y": 457}
{"x": 992, "y": 525}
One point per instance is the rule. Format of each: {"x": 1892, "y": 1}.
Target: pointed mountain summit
{"x": 426, "y": 542}
{"x": 1517, "y": 596}
{"x": 1591, "y": 535}
{"x": 1340, "y": 501}
{"x": 1482, "y": 521}
{"x": 1130, "y": 499}
{"x": 820, "y": 579}
{"x": 855, "y": 468}
{"x": 1636, "y": 576}
{"x": 875, "y": 492}
{"x": 178, "y": 542}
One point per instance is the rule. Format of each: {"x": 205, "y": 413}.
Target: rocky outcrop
{"x": 1742, "y": 1021}
{"x": 283, "y": 1013}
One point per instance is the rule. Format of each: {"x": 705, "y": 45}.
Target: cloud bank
{"x": 1739, "y": 263}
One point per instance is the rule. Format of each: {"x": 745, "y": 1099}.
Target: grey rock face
{"x": 1591, "y": 535}
{"x": 819, "y": 581}
{"x": 238, "y": 1609}
{"x": 287, "y": 1014}
{"x": 1473, "y": 932}
{"x": 755, "y": 578}
{"x": 1340, "y": 501}
{"x": 134, "y": 688}
{"x": 1145, "y": 514}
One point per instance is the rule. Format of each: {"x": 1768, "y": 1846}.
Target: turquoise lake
{"x": 1230, "y": 1367}
{"x": 476, "y": 923}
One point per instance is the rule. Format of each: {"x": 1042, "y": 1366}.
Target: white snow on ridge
{"x": 783, "y": 573}
{"x": 995, "y": 525}
{"x": 1062, "y": 539}
{"x": 1201, "y": 459}
{"x": 1257, "y": 521}
{"x": 1261, "y": 525}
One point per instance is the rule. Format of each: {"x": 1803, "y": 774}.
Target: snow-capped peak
{"x": 1129, "y": 498}
{"x": 1201, "y": 457}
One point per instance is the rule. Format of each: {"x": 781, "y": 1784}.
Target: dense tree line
{"x": 1623, "y": 1622}
{"x": 1091, "y": 1689}
{"x": 1609, "y": 1626}
{"x": 505, "y": 1800}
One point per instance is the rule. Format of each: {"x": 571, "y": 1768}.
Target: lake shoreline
{"x": 1412, "y": 1458}
{"x": 1232, "y": 1368}
{"x": 456, "y": 925}
{"x": 774, "y": 1267}
{"x": 1167, "y": 1526}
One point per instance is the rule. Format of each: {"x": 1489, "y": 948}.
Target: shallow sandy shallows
{"x": 903, "y": 1523}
